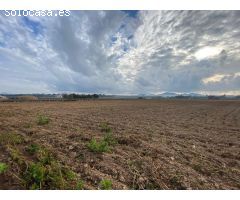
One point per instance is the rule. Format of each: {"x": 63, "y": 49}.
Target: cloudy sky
{"x": 121, "y": 52}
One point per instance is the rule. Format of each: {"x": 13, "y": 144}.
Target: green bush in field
{"x": 3, "y": 167}
{"x": 80, "y": 185}
{"x": 110, "y": 139}
{"x": 104, "y": 144}
{"x": 41, "y": 170}
{"x": 33, "y": 148}
{"x": 42, "y": 120}
{"x": 35, "y": 176}
{"x": 44, "y": 171}
{"x": 105, "y": 185}
{"x": 98, "y": 147}
{"x": 52, "y": 175}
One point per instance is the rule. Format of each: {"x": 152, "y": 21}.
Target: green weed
{"x": 45, "y": 156}
{"x": 80, "y": 185}
{"x": 33, "y": 148}
{"x": 42, "y": 120}
{"x": 53, "y": 175}
{"x": 3, "y": 168}
{"x": 16, "y": 155}
{"x": 98, "y": 147}
{"x": 35, "y": 176}
{"x": 45, "y": 172}
{"x": 105, "y": 185}
{"x": 69, "y": 174}
{"x": 110, "y": 139}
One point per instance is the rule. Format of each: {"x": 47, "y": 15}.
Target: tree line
{"x": 80, "y": 96}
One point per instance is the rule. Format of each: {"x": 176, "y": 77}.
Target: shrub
{"x": 42, "y": 120}
{"x": 98, "y": 147}
{"x": 106, "y": 185}
{"x": 3, "y": 167}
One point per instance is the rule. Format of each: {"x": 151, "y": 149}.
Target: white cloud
{"x": 207, "y": 52}
{"x": 215, "y": 78}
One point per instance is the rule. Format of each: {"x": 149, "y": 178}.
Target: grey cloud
{"x": 175, "y": 37}
{"x": 230, "y": 81}
{"x": 110, "y": 52}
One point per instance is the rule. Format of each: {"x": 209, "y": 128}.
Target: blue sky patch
{"x": 131, "y": 13}
{"x": 34, "y": 26}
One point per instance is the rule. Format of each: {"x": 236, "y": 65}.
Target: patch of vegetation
{"x": 44, "y": 156}
{"x": 80, "y": 185}
{"x": 33, "y": 148}
{"x": 105, "y": 185}
{"x": 102, "y": 145}
{"x": 3, "y": 168}
{"x": 11, "y": 138}
{"x": 43, "y": 171}
{"x": 42, "y": 120}
{"x": 48, "y": 173}
{"x": 69, "y": 174}
{"x": 16, "y": 155}
{"x": 105, "y": 128}
{"x": 110, "y": 139}
{"x": 34, "y": 176}
{"x": 99, "y": 147}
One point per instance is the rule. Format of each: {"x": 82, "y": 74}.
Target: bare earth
{"x": 162, "y": 144}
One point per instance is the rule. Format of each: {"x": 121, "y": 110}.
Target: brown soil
{"x": 162, "y": 144}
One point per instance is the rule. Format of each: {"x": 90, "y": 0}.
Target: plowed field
{"x": 131, "y": 144}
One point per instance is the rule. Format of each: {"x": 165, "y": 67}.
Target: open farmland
{"x": 120, "y": 144}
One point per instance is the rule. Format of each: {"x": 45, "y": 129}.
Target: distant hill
{"x": 168, "y": 94}
{"x": 174, "y": 94}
